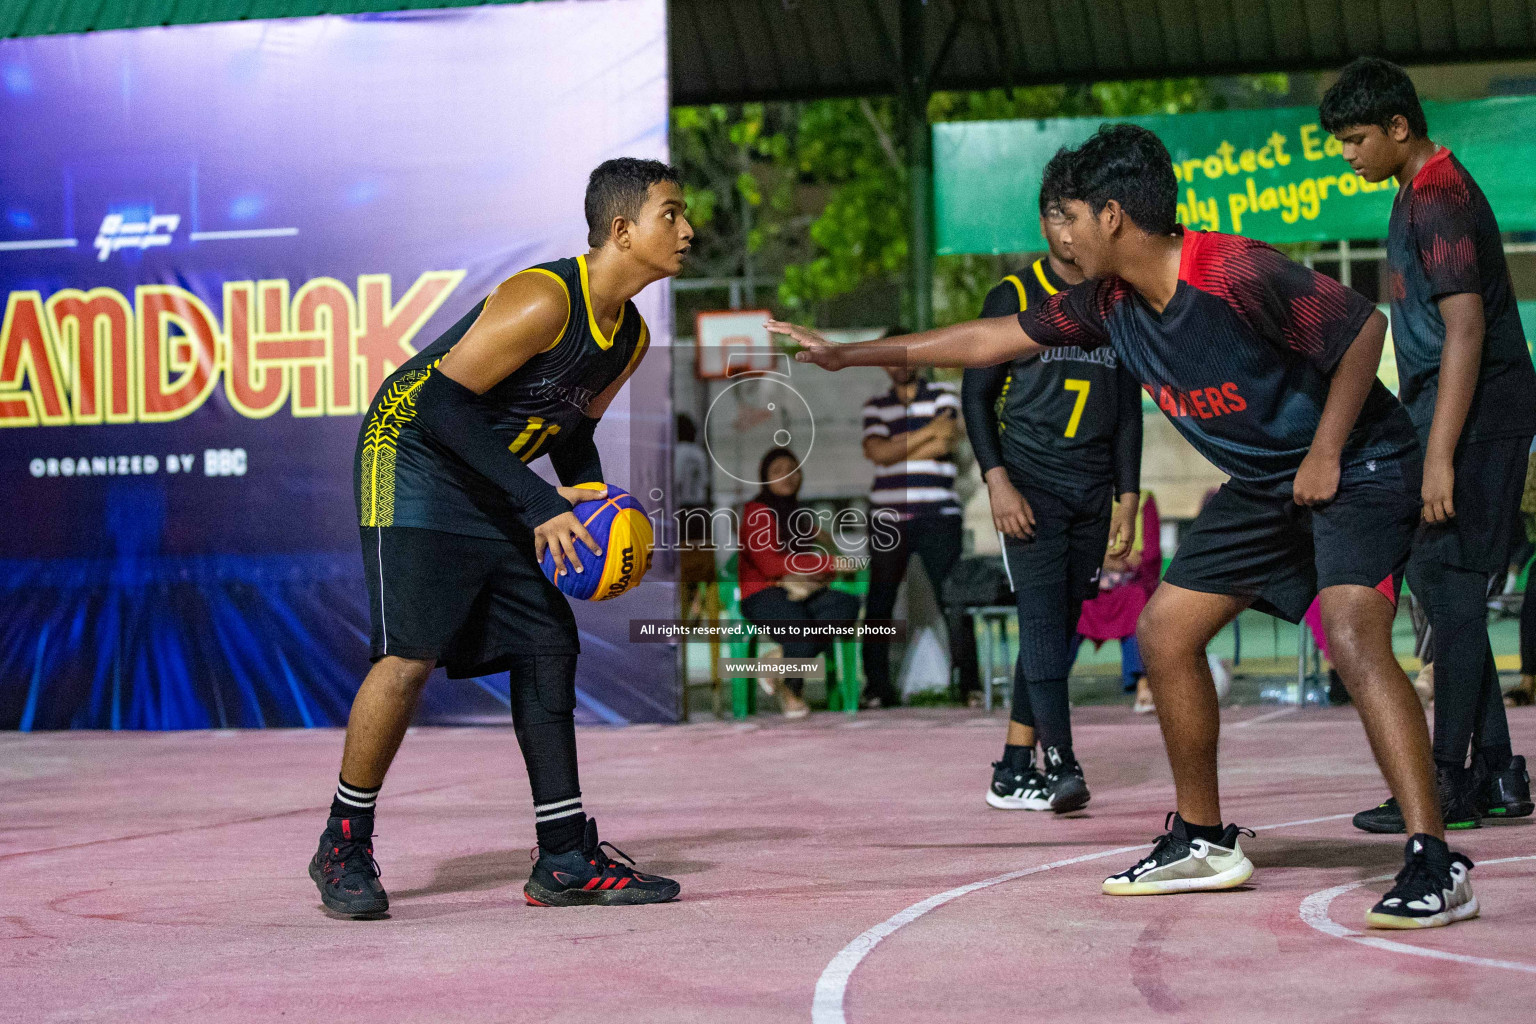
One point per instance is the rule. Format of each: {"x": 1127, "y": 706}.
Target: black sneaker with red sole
{"x": 344, "y": 871}
{"x": 590, "y": 877}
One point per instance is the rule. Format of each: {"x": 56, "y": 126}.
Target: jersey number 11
{"x": 537, "y": 432}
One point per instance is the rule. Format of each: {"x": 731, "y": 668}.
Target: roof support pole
{"x": 917, "y": 136}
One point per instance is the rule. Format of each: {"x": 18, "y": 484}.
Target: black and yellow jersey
{"x": 1053, "y": 420}
{"x": 405, "y": 477}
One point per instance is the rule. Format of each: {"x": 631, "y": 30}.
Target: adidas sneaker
{"x": 1178, "y": 863}
{"x": 1433, "y": 889}
{"x": 1017, "y": 790}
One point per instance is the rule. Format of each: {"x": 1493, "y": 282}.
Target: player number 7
{"x": 1081, "y": 387}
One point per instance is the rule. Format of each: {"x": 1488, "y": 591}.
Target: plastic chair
{"x": 843, "y": 662}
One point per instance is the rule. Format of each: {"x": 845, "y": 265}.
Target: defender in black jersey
{"x": 1269, "y": 369}
{"x": 1056, "y": 436}
{"x": 1467, "y": 381}
{"x": 454, "y": 523}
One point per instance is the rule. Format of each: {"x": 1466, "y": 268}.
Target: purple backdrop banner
{"x": 216, "y": 242}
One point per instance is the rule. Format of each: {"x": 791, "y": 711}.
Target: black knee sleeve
{"x": 544, "y": 689}
{"x": 1044, "y": 647}
{"x": 1467, "y": 698}
{"x": 1046, "y": 626}
{"x": 1053, "y": 712}
{"x": 543, "y": 706}
{"x": 1023, "y": 712}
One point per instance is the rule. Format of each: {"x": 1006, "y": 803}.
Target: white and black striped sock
{"x": 560, "y": 824}
{"x": 352, "y": 801}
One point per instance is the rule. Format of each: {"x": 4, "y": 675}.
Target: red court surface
{"x": 833, "y": 870}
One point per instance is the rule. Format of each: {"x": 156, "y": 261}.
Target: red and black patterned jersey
{"x": 1239, "y": 360}
{"x": 1443, "y": 240}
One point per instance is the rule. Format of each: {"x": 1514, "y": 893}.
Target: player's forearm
{"x": 1352, "y": 380}
{"x": 1128, "y": 431}
{"x": 973, "y": 343}
{"x": 576, "y": 458}
{"x": 978, "y": 398}
{"x": 997, "y": 477}
{"x": 1460, "y": 364}
{"x": 1128, "y": 504}
{"x": 459, "y": 420}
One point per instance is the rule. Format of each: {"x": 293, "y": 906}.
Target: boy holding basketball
{"x": 454, "y": 525}
{"x": 1269, "y": 370}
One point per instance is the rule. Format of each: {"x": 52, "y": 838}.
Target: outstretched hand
{"x": 813, "y": 347}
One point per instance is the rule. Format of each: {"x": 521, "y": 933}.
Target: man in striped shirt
{"x": 910, "y": 433}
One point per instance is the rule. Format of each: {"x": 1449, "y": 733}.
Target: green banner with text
{"x": 1270, "y": 174}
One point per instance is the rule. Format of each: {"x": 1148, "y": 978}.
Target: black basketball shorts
{"x": 1486, "y": 530}
{"x": 1067, "y": 551}
{"x": 472, "y": 604}
{"x": 1264, "y": 547}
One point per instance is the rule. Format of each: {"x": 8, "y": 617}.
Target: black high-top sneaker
{"x": 1065, "y": 787}
{"x": 1433, "y": 889}
{"x": 344, "y": 870}
{"x": 1506, "y": 794}
{"x": 588, "y": 876}
{"x": 1017, "y": 788}
{"x": 1456, "y": 804}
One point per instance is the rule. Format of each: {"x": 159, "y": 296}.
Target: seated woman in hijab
{"x": 785, "y": 564}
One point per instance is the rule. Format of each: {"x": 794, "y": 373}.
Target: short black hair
{"x": 618, "y": 188}
{"x": 1129, "y": 164}
{"x": 1053, "y": 178}
{"x": 1371, "y": 91}
{"x": 686, "y": 431}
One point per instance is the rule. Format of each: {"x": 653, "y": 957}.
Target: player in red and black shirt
{"x": 1467, "y": 381}
{"x": 1269, "y": 369}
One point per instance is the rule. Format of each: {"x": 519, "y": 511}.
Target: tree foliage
{"x": 814, "y": 195}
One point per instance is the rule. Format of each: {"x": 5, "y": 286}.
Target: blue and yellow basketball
{"x": 619, "y": 526}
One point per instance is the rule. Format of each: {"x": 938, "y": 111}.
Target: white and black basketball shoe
{"x": 1178, "y": 863}
{"x": 1017, "y": 789}
{"x": 1434, "y": 888}
{"x": 1065, "y": 788}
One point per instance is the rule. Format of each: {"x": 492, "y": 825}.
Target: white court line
{"x": 1314, "y": 911}
{"x": 1269, "y": 716}
{"x": 832, "y": 986}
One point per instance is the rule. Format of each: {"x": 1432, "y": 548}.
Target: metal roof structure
{"x": 726, "y": 50}
{"x": 738, "y": 50}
